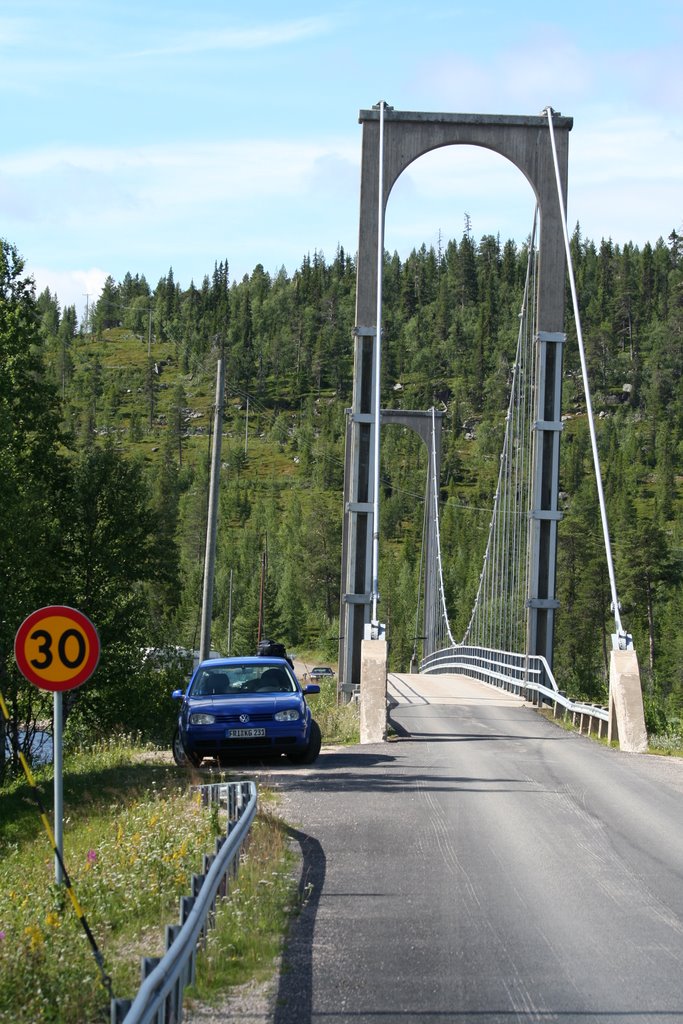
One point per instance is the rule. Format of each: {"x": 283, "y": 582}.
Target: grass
{"x": 133, "y": 836}
{"x": 339, "y": 723}
{"x": 250, "y": 924}
{"x": 670, "y": 744}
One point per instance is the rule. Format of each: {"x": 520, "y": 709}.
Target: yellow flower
{"x": 35, "y": 936}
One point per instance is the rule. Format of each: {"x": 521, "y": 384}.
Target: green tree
{"x": 32, "y": 479}
{"x": 107, "y": 310}
{"x": 647, "y": 569}
{"x": 109, "y": 536}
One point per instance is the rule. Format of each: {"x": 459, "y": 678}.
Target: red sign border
{"x": 83, "y": 622}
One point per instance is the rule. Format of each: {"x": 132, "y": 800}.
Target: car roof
{"x": 251, "y": 659}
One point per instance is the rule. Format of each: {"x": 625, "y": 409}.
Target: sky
{"x": 140, "y": 136}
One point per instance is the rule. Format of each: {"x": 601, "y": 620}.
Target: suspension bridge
{"x": 509, "y": 639}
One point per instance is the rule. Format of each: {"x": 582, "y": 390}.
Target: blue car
{"x": 245, "y": 706}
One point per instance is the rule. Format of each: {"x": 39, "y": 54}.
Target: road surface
{"x": 486, "y": 866}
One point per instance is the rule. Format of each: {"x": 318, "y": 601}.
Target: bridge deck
{"x": 449, "y": 688}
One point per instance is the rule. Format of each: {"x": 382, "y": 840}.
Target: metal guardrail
{"x": 160, "y": 997}
{"x": 517, "y": 673}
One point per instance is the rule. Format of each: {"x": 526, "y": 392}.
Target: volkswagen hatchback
{"x": 245, "y": 706}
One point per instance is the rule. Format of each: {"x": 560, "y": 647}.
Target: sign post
{"x": 57, "y": 648}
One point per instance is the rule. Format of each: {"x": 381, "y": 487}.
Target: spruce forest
{"x": 105, "y": 441}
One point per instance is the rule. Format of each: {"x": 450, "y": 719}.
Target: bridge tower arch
{"x": 525, "y": 141}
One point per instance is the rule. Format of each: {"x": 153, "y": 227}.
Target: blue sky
{"x": 140, "y": 136}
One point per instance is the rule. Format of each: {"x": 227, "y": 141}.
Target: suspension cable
{"x": 378, "y": 366}
{"x": 435, "y": 493}
{"x": 621, "y": 634}
{"x": 425, "y": 521}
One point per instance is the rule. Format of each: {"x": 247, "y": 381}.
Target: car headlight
{"x": 201, "y": 718}
{"x": 290, "y": 715}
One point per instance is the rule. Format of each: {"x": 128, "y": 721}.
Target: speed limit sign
{"x": 57, "y": 648}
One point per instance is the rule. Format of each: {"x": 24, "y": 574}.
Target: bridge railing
{"x": 160, "y": 997}
{"x": 522, "y": 674}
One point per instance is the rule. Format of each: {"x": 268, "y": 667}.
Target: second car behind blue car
{"x": 246, "y": 706}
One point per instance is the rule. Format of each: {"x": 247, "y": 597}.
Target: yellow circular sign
{"x": 57, "y": 648}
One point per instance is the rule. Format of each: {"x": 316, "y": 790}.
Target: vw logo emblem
{"x": 244, "y": 718}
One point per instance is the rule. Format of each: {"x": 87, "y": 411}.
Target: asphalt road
{"x": 485, "y": 867}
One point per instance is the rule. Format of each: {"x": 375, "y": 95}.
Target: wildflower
{"x": 3, "y": 935}
{"x": 91, "y": 856}
{"x": 34, "y": 936}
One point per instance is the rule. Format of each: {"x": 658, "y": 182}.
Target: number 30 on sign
{"x": 57, "y": 648}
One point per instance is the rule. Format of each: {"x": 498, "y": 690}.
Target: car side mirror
{"x": 178, "y": 694}
{"x": 312, "y": 688}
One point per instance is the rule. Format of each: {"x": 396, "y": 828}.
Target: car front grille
{"x": 235, "y": 718}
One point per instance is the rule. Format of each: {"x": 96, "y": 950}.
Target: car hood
{"x": 248, "y": 703}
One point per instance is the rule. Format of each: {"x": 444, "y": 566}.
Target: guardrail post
{"x": 119, "y": 1009}
{"x": 147, "y": 965}
{"x": 186, "y": 905}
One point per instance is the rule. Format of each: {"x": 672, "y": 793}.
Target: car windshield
{"x": 233, "y": 680}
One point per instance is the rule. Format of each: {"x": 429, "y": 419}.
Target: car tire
{"x": 180, "y": 755}
{"x": 309, "y": 754}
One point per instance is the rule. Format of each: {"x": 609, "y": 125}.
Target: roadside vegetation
{"x": 670, "y": 743}
{"x": 339, "y": 723}
{"x": 133, "y": 836}
{"x": 250, "y": 926}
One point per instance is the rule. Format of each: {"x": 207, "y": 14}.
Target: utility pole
{"x": 246, "y": 431}
{"x": 210, "y": 555}
{"x": 230, "y": 617}
{"x": 261, "y": 598}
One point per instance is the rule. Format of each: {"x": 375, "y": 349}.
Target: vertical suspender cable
{"x": 435, "y": 491}
{"x": 589, "y": 407}
{"x": 425, "y": 521}
{"x": 378, "y": 365}
{"x": 481, "y": 627}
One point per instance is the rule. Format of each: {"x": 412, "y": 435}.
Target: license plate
{"x": 245, "y": 734}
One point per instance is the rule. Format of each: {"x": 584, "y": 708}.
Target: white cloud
{"x": 258, "y": 38}
{"x": 104, "y": 185}
{"x": 73, "y": 287}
